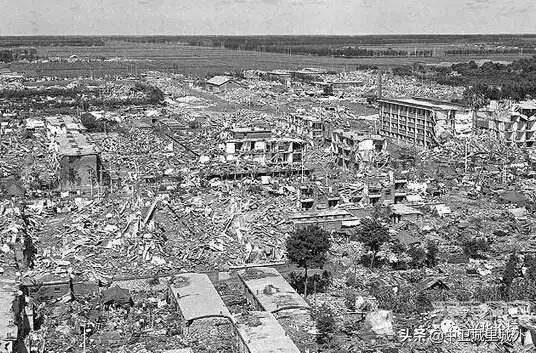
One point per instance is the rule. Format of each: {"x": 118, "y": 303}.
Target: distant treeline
{"x": 509, "y": 51}
{"x": 9, "y": 55}
{"x": 307, "y": 48}
{"x": 51, "y": 41}
{"x": 490, "y": 81}
{"x": 507, "y": 40}
{"x": 153, "y": 95}
{"x": 349, "y": 48}
{"x": 337, "y": 41}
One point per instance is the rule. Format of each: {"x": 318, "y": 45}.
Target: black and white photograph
{"x": 267, "y": 176}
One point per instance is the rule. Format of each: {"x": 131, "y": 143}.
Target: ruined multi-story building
{"x": 421, "y": 122}
{"x": 253, "y": 144}
{"x": 353, "y": 149}
{"x": 307, "y": 126}
{"x": 78, "y": 159}
{"x": 513, "y": 122}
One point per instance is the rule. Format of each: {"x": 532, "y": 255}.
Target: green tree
{"x": 431, "y": 254}
{"x": 325, "y": 323}
{"x": 474, "y": 248}
{"x": 417, "y": 255}
{"x": 308, "y": 247}
{"x": 373, "y": 234}
{"x": 510, "y": 272}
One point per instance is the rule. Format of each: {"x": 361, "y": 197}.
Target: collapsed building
{"x": 354, "y": 150}
{"x": 77, "y": 158}
{"x": 258, "y": 145}
{"x": 307, "y": 126}
{"x": 513, "y": 122}
{"x": 421, "y": 122}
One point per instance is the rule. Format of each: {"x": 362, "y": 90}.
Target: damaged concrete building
{"x": 258, "y": 145}
{"x": 353, "y": 149}
{"x": 12, "y": 320}
{"x": 421, "y": 122}
{"x": 77, "y": 158}
{"x": 306, "y": 125}
{"x": 513, "y": 122}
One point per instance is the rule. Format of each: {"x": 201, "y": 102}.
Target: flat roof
{"x": 266, "y": 139}
{"x": 69, "y": 121}
{"x": 197, "y": 298}
{"x": 325, "y": 213}
{"x": 528, "y": 105}
{"x": 308, "y": 117}
{"x": 8, "y": 329}
{"x": 426, "y": 103}
{"x": 271, "y": 290}
{"x": 401, "y": 209}
{"x": 262, "y": 333}
{"x": 251, "y": 129}
{"x": 219, "y": 80}
{"x": 356, "y": 135}
{"x": 74, "y": 144}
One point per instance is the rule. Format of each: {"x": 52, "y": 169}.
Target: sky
{"x": 276, "y": 17}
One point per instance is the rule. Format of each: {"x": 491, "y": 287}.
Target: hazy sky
{"x": 27, "y": 17}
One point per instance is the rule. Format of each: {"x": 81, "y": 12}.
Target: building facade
{"x": 421, "y": 122}
{"x": 355, "y": 150}
{"x": 259, "y": 146}
{"x": 514, "y": 123}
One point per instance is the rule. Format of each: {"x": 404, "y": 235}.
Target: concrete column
{"x": 415, "y": 125}
{"x": 398, "y": 122}
{"x": 425, "y": 127}
{"x": 390, "y": 119}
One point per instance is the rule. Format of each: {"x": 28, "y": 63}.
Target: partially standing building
{"x": 353, "y": 149}
{"x": 253, "y": 144}
{"x": 515, "y": 123}
{"x": 220, "y": 84}
{"x": 421, "y": 122}
{"x": 10, "y": 316}
{"x": 78, "y": 161}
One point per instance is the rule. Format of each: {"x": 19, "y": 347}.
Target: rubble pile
{"x": 396, "y": 86}
{"x": 175, "y": 194}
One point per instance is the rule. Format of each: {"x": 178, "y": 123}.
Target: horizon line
{"x": 269, "y": 35}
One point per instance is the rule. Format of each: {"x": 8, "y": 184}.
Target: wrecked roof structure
{"x": 259, "y": 332}
{"x": 270, "y": 291}
{"x": 197, "y": 298}
{"x": 116, "y": 295}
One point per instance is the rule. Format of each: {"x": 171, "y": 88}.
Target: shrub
{"x": 474, "y": 248}
{"x": 325, "y": 323}
{"x": 316, "y": 282}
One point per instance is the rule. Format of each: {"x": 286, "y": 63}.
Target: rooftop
{"x": 271, "y": 290}
{"x": 527, "y": 105}
{"x": 219, "y": 80}
{"x": 261, "y": 332}
{"x": 267, "y": 139}
{"x": 70, "y": 122}
{"x": 74, "y": 144}
{"x": 426, "y": 103}
{"x": 197, "y": 298}
{"x": 401, "y": 209}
